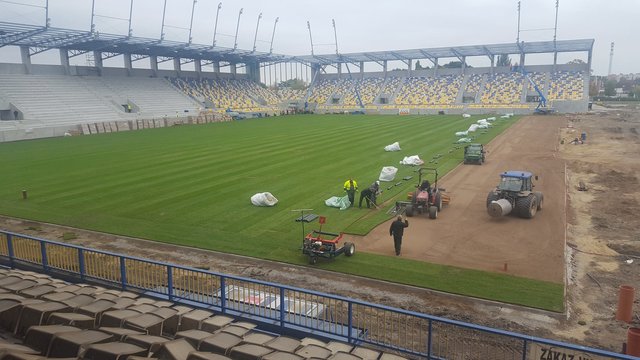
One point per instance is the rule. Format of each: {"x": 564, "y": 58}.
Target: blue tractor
{"x": 514, "y": 195}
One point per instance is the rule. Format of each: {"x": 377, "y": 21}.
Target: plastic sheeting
{"x": 462, "y": 133}
{"x": 388, "y": 173}
{"x": 473, "y": 128}
{"x": 264, "y": 199}
{"x": 342, "y": 203}
{"x": 412, "y": 160}
{"x": 393, "y": 147}
{"x": 464, "y": 140}
{"x": 483, "y": 126}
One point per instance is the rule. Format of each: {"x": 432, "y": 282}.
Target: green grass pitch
{"x": 190, "y": 185}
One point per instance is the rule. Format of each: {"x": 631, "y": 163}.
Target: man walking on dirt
{"x": 396, "y": 230}
{"x": 351, "y": 186}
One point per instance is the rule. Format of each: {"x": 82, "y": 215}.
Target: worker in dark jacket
{"x": 370, "y": 195}
{"x": 351, "y": 186}
{"x": 397, "y": 230}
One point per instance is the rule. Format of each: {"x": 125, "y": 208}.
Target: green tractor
{"x": 474, "y": 154}
{"x": 514, "y": 195}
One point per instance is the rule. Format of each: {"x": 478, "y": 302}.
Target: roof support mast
{"x": 193, "y": 8}
{"x": 164, "y": 12}
{"x": 310, "y": 37}
{"x": 273, "y": 34}
{"x": 47, "y": 21}
{"x": 235, "y": 41}
{"x": 255, "y": 37}
{"x": 215, "y": 26}
{"x": 555, "y": 33}
{"x": 93, "y": 14}
{"x": 130, "y": 14}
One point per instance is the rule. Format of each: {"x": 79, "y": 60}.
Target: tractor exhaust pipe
{"x": 499, "y": 208}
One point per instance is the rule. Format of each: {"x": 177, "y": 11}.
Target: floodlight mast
{"x": 193, "y": 8}
{"x": 215, "y": 26}
{"x": 273, "y": 34}
{"x": 255, "y": 38}
{"x": 310, "y": 37}
{"x": 235, "y": 45}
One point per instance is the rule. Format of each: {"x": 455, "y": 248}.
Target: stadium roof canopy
{"x": 41, "y": 38}
{"x": 539, "y": 47}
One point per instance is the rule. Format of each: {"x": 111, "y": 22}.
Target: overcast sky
{"x": 362, "y": 25}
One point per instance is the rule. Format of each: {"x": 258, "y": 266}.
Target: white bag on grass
{"x": 462, "y": 133}
{"x": 264, "y": 199}
{"x": 473, "y": 128}
{"x": 338, "y": 202}
{"x": 393, "y": 147}
{"x": 388, "y": 173}
{"x": 466, "y": 116}
{"x": 412, "y": 160}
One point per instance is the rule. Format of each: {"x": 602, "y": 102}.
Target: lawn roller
{"x": 324, "y": 244}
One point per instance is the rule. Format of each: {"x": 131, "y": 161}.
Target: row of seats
{"x": 441, "y": 90}
{"x": 41, "y": 317}
{"x": 566, "y": 85}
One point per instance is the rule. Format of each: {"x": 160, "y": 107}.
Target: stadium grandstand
{"x": 64, "y": 301}
{"x": 92, "y": 95}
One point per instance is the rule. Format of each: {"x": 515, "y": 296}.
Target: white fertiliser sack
{"x": 388, "y": 173}
{"x": 462, "y": 133}
{"x": 466, "y": 115}
{"x": 473, "y": 128}
{"x": 464, "y": 140}
{"x": 393, "y": 147}
{"x": 264, "y": 199}
{"x": 412, "y": 160}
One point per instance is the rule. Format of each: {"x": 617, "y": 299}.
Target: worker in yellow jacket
{"x": 351, "y": 186}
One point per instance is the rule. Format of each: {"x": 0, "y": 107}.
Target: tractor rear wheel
{"x": 540, "y": 198}
{"x": 408, "y": 210}
{"x": 433, "y": 212}
{"x": 492, "y": 196}
{"x": 349, "y": 249}
{"x": 526, "y": 207}
{"x": 438, "y": 201}
{"x": 313, "y": 260}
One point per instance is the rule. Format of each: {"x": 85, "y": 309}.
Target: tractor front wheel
{"x": 433, "y": 212}
{"x": 349, "y": 249}
{"x": 313, "y": 260}
{"x": 540, "y": 198}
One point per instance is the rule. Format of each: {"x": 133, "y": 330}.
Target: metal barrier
{"x": 288, "y": 308}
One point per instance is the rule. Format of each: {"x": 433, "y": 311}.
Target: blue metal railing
{"x": 288, "y": 308}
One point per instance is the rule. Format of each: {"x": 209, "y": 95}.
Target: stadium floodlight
{"x": 273, "y": 34}
{"x": 235, "y": 45}
{"x": 215, "y": 26}
{"x": 255, "y": 38}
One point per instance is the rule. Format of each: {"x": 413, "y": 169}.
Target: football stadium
{"x": 209, "y": 202}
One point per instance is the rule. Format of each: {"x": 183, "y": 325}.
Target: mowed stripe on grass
{"x": 190, "y": 185}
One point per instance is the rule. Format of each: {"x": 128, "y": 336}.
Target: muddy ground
{"x": 602, "y": 248}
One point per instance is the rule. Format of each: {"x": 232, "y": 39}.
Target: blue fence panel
{"x": 291, "y": 308}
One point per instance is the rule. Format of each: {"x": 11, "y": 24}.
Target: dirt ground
{"x": 602, "y": 248}
{"x": 464, "y": 234}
